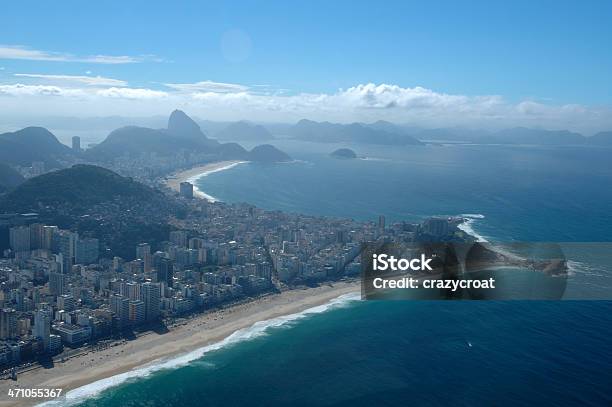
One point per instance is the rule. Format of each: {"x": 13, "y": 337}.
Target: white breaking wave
{"x": 203, "y": 194}
{"x": 578, "y": 267}
{"x": 256, "y": 330}
{"x": 473, "y": 215}
{"x": 467, "y": 225}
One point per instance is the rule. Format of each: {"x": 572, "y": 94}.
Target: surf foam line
{"x": 256, "y": 330}
{"x": 467, "y": 225}
{"x": 202, "y": 194}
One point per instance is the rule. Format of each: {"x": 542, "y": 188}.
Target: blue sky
{"x": 550, "y": 53}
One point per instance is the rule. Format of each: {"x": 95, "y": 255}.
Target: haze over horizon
{"x": 405, "y": 63}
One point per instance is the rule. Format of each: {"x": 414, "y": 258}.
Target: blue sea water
{"x": 526, "y": 193}
{"x": 419, "y": 353}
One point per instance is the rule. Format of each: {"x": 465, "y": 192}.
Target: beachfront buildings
{"x": 60, "y": 285}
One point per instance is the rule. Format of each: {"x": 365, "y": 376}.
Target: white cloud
{"x": 78, "y": 79}
{"x": 20, "y": 89}
{"x": 71, "y": 93}
{"x": 25, "y": 53}
{"x": 131, "y": 93}
{"x": 207, "y": 86}
{"x": 364, "y": 102}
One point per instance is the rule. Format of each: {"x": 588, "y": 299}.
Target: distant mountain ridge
{"x": 182, "y": 134}
{"x": 244, "y": 131}
{"x": 326, "y": 132}
{"x": 523, "y": 135}
{"x": 387, "y": 133}
{"x": 516, "y": 135}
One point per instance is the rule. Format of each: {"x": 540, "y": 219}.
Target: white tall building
{"x": 143, "y": 252}
{"x": 42, "y": 326}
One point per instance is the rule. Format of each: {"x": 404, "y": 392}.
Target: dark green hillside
{"x": 78, "y": 186}
{"x": 33, "y": 144}
{"x": 97, "y": 202}
{"x": 9, "y": 178}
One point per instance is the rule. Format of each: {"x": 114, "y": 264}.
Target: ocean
{"x": 427, "y": 353}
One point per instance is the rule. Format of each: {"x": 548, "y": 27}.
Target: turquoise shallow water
{"x": 419, "y": 353}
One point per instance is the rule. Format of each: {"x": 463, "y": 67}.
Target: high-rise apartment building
{"x": 143, "y": 252}
{"x": 76, "y": 143}
{"x": 19, "y": 238}
{"x": 151, "y": 296}
{"x": 42, "y": 326}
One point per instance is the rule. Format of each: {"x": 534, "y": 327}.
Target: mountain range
{"x": 516, "y": 135}
{"x": 22, "y": 147}
{"x": 326, "y": 132}
{"x": 182, "y": 134}
{"x": 244, "y": 131}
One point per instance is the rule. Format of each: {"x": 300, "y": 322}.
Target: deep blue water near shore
{"x": 419, "y": 353}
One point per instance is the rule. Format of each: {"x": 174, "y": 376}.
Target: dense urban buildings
{"x": 63, "y": 288}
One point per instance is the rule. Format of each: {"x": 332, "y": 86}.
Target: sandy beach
{"x": 173, "y": 181}
{"x": 134, "y": 356}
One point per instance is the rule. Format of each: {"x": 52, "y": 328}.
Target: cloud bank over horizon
{"x": 29, "y": 94}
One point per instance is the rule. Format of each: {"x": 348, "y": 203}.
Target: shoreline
{"x": 174, "y": 180}
{"x": 95, "y": 371}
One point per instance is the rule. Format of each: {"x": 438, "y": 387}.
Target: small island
{"x": 345, "y": 153}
